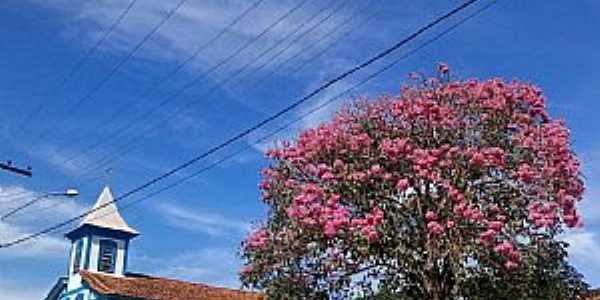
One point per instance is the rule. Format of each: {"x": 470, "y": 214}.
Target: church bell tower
{"x": 100, "y": 243}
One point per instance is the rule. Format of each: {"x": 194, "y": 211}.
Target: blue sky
{"x": 192, "y": 232}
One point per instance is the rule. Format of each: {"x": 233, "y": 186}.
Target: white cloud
{"x": 217, "y": 266}
{"x": 208, "y": 223}
{"x": 590, "y": 206}
{"x": 583, "y": 246}
{"x": 585, "y": 243}
{"x": 214, "y": 266}
{"x": 193, "y": 24}
{"x": 10, "y": 195}
{"x": 583, "y": 253}
{"x": 33, "y": 218}
{"x": 60, "y": 158}
{"x": 42, "y": 247}
{"x": 19, "y": 290}
{"x": 317, "y": 111}
{"x": 325, "y": 110}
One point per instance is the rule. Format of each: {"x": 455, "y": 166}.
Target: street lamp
{"x": 67, "y": 193}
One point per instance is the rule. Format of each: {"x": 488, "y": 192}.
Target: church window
{"x": 77, "y": 259}
{"x": 107, "y": 256}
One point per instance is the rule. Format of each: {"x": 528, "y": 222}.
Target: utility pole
{"x": 10, "y": 168}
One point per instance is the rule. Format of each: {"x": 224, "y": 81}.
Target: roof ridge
{"x": 146, "y": 276}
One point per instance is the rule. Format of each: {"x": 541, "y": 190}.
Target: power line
{"x": 311, "y": 111}
{"x": 250, "y": 129}
{"x": 13, "y": 196}
{"x": 343, "y": 36}
{"x": 109, "y": 157}
{"x": 289, "y": 35}
{"x": 17, "y": 196}
{"x": 308, "y": 47}
{"x": 116, "y": 68}
{"x": 146, "y": 115}
{"x": 132, "y": 143}
{"x": 298, "y": 38}
{"x": 298, "y": 53}
{"x": 106, "y": 34}
{"x": 15, "y": 210}
{"x": 165, "y": 78}
{"x": 340, "y": 38}
{"x": 112, "y": 156}
{"x": 38, "y": 109}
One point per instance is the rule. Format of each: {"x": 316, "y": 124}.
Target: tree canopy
{"x": 447, "y": 190}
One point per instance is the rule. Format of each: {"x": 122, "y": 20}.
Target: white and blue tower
{"x": 99, "y": 244}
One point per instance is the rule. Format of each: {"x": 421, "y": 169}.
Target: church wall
{"x": 74, "y": 281}
{"x": 81, "y": 293}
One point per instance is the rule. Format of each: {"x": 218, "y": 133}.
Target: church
{"x": 98, "y": 265}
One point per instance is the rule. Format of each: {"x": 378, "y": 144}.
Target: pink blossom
{"x": 247, "y": 270}
{"x": 290, "y": 183}
{"x": 487, "y": 236}
{"x": 359, "y": 176}
{"x": 377, "y": 215}
{"x": 430, "y": 216}
{"x": 573, "y": 220}
{"x": 526, "y": 173}
{"x": 338, "y": 164}
{"x": 495, "y": 225}
{"x": 376, "y": 169}
{"x": 435, "y": 228}
{"x": 409, "y": 139}
{"x": 327, "y": 176}
{"x": 402, "y": 184}
{"x": 395, "y": 148}
{"x": 477, "y": 159}
{"x": 257, "y": 239}
{"x": 330, "y": 230}
{"x": 510, "y": 264}
{"x": 450, "y": 224}
{"x": 333, "y": 200}
{"x": 372, "y": 236}
{"x": 504, "y": 248}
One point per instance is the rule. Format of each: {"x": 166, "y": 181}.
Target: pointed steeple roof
{"x": 105, "y": 215}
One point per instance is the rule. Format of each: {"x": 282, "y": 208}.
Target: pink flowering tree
{"x": 415, "y": 193}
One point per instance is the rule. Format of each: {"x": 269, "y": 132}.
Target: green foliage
{"x": 544, "y": 274}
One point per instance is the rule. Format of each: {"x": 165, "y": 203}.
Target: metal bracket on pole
{"x": 9, "y": 167}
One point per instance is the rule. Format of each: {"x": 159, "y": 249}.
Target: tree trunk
{"x": 434, "y": 289}
{"x": 440, "y": 280}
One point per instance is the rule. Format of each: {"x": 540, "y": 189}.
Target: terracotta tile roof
{"x": 593, "y": 294}
{"x": 156, "y": 288}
